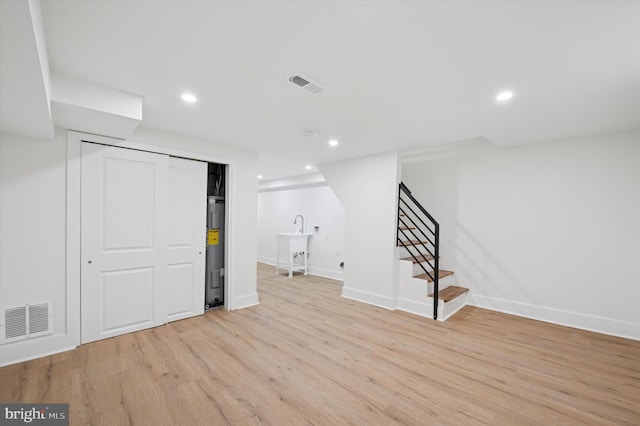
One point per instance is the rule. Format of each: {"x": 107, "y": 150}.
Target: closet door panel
{"x": 124, "y": 240}
{"x": 187, "y": 238}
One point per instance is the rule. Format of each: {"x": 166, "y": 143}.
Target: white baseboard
{"x": 326, "y": 273}
{"x": 25, "y": 350}
{"x": 417, "y": 308}
{"x": 425, "y": 309}
{"x": 267, "y": 260}
{"x": 246, "y": 301}
{"x": 593, "y": 323}
{"x": 319, "y": 272}
{"x": 370, "y": 298}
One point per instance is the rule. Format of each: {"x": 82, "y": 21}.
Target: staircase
{"x": 423, "y": 288}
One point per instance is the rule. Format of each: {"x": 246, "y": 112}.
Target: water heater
{"x": 214, "y": 281}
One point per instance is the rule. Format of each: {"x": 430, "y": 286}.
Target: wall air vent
{"x": 25, "y": 321}
{"x": 15, "y": 323}
{"x": 306, "y": 84}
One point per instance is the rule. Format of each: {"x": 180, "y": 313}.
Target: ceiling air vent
{"x": 305, "y": 84}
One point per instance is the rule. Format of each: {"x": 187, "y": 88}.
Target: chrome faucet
{"x": 302, "y": 226}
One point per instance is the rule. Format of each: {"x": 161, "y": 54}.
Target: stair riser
{"x": 413, "y": 254}
{"x": 425, "y": 308}
{"x": 417, "y": 270}
{"x": 442, "y": 283}
{"x": 408, "y": 252}
{"x": 446, "y": 310}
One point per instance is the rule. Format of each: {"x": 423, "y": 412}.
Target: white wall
{"x": 550, "y": 231}
{"x": 320, "y": 207}
{"x": 367, "y": 188}
{"x": 32, "y": 231}
{"x": 33, "y": 215}
{"x": 24, "y": 71}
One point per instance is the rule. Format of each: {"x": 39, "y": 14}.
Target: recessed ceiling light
{"x": 259, "y": 176}
{"x": 308, "y": 167}
{"x": 310, "y": 133}
{"x": 189, "y": 97}
{"x": 333, "y": 142}
{"x": 504, "y": 96}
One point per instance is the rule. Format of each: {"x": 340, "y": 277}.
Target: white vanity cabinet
{"x": 290, "y": 245}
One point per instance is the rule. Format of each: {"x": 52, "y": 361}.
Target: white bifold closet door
{"x": 187, "y": 238}
{"x": 143, "y": 236}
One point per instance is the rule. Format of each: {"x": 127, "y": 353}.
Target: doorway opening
{"x": 215, "y": 272}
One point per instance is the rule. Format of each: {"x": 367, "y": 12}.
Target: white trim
{"x": 422, "y": 309}
{"x": 230, "y": 264}
{"x": 425, "y": 309}
{"x": 25, "y": 350}
{"x": 246, "y": 301}
{"x": 318, "y": 272}
{"x": 369, "y": 298}
{"x": 326, "y": 273}
{"x": 149, "y": 148}
{"x": 593, "y": 323}
{"x": 74, "y": 164}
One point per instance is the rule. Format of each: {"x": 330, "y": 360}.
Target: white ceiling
{"x": 398, "y": 75}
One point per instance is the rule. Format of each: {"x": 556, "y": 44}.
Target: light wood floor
{"x": 307, "y": 356}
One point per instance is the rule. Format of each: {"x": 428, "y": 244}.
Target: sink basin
{"x": 293, "y": 234}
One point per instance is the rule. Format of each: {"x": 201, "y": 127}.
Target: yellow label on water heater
{"x": 213, "y": 237}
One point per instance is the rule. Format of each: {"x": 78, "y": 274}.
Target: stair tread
{"x": 441, "y": 274}
{"x": 421, "y": 258}
{"x": 450, "y": 293}
{"x": 404, "y": 228}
